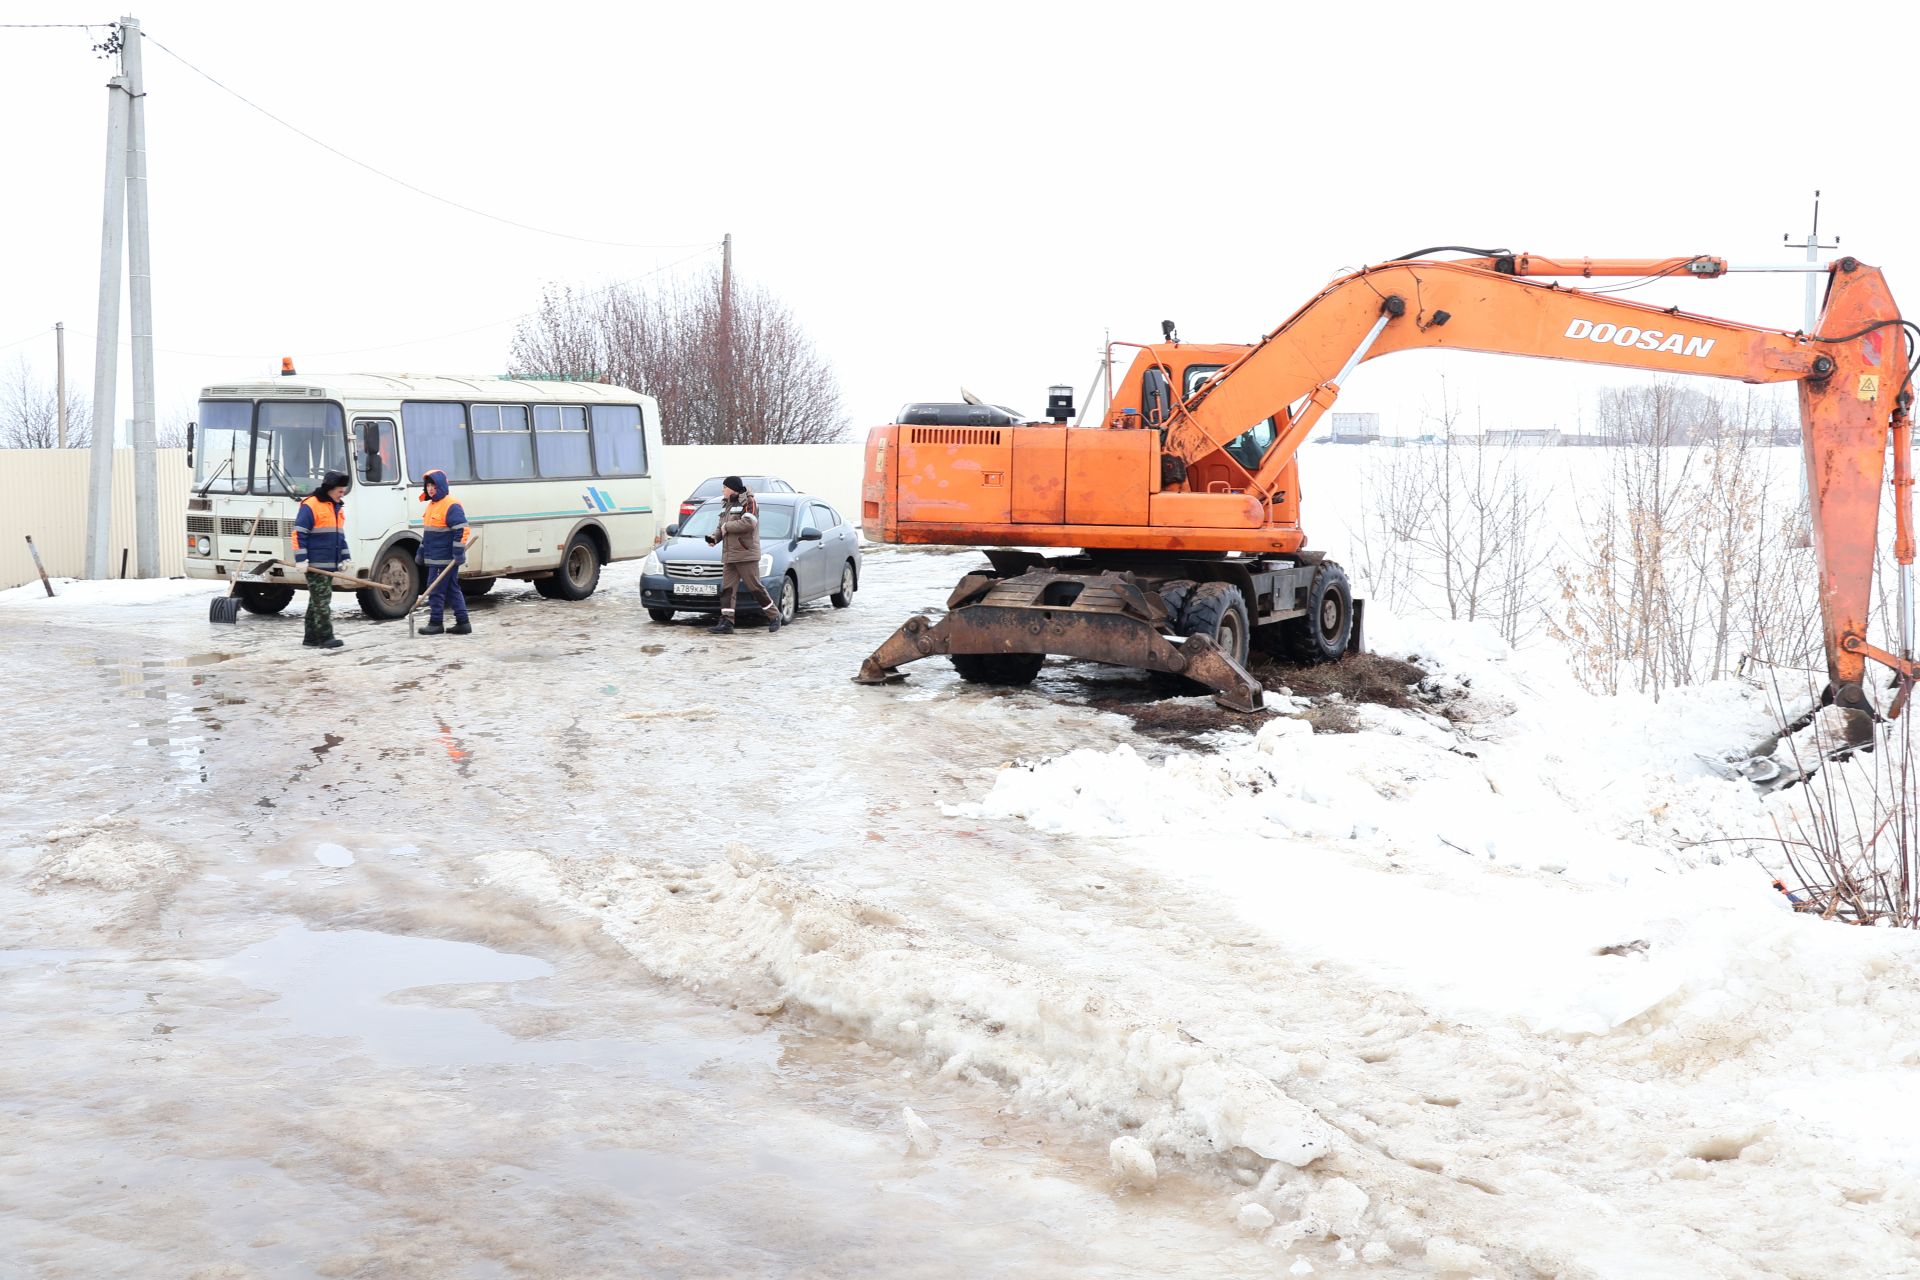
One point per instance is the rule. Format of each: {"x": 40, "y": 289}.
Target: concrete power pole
{"x": 726, "y": 341}
{"x": 106, "y": 336}
{"x": 60, "y": 376}
{"x": 146, "y": 473}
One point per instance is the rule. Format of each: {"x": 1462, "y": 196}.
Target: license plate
{"x": 695, "y": 589}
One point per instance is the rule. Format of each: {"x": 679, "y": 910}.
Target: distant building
{"x": 1355, "y": 428}
{"x": 1537, "y": 437}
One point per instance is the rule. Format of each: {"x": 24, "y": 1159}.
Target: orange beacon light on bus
{"x": 286, "y": 366}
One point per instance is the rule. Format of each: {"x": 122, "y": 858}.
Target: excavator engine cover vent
{"x": 953, "y": 435}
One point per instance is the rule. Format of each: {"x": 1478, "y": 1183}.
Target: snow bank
{"x": 77, "y": 594}
{"x": 766, "y": 938}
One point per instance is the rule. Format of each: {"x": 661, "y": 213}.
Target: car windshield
{"x": 775, "y": 522}
{"x": 710, "y": 488}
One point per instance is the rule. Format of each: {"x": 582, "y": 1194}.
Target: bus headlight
{"x": 766, "y": 564}
{"x": 203, "y": 545}
{"x": 652, "y": 564}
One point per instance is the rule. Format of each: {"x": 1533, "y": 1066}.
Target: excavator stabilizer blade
{"x": 1115, "y": 637}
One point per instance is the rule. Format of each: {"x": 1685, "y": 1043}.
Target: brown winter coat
{"x": 740, "y": 531}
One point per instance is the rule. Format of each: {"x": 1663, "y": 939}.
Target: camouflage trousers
{"x": 319, "y": 607}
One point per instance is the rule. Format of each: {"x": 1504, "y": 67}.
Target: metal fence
{"x": 43, "y": 494}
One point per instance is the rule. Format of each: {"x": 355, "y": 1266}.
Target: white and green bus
{"x": 556, "y": 477}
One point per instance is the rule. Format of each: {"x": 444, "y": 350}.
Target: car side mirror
{"x": 809, "y": 535}
{"x": 673, "y": 531}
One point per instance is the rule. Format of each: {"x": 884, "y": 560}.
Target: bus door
{"x": 377, "y": 504}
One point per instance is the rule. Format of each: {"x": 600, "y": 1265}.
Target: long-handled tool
{"x": 227, "y": 608}
{"x": 438, "y": 579}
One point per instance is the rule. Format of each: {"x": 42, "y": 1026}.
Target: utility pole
{"x": 146, "y": 473}
{"x": 726, "y": 340}
{"x": 1801, "y": 532}
{"x": 124, "y": 218}
{"x": 60, "y": 375}
{"x": 106, "y": 335}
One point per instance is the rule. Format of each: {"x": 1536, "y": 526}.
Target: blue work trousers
{"x": 446, "y": 594}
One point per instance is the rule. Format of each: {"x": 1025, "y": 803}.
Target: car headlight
{"x": 204, "y": 545}
{"x": 652, "y": 563}
{"x": 766, "y": 564}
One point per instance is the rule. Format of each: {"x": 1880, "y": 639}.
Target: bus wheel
{"x": 265, "y": 599}
{"x": 396, "y": 586}
{"x": 579, "y": 571}
{"x": 474, "y": 587}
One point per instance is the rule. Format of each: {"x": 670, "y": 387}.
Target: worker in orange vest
{"x": 443, "y": 542}
{"x": 320, "y": 542}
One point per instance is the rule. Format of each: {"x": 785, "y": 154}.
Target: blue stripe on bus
{"x": 529, "y": 515}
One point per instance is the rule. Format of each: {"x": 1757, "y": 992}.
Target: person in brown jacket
{"x": 739, "y": 535}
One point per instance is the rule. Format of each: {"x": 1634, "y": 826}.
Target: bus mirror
{"x": 370, "y": 452}
{"x": 191, "y": 427}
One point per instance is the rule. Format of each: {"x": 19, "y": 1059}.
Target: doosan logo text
{"x": 1625, "y": 335}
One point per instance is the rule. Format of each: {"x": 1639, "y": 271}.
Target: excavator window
{"x": 1251, "y": 445}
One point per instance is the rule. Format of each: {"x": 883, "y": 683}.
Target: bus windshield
{"x": 286, "y": 448}
{"x": 295, "y": 444}
{"x": 220, "y": 458}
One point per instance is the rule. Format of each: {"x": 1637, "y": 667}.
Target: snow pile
{"x": 766, "y": 937}
{"x": 74, "y": 595}
{"x": 111, "y": 856}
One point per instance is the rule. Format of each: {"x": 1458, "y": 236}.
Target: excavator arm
{"x": 1853, "y": 375}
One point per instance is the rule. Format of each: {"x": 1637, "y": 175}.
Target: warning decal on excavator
{"x": 1869, "y": 387}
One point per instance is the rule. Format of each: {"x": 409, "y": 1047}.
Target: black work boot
{"x": 724, "y": 627}
{"x": 331, "y": 643}
{"x": 773, "y": 621}
{"x": 462, "y": 628}
{"x": 432, "y": 629}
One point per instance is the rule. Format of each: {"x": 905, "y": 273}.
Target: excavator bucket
{"x": 1108, "y": 617}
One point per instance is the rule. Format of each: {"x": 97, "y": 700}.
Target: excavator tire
{"x": 1218, "y": 611}
{"x": 1174, "y": 595}
{"x": 1322, "y": 634}
{"x": 998, "y": 668}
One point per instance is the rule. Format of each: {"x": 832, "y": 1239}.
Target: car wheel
{"x": 265, "y": 599}
{"x": 844, "y": 596}
{"x": 660, "y": 615}
{"x": 396, "y": 586}
{"x": 789, "y": 602}
{"x": 579, "y": 571}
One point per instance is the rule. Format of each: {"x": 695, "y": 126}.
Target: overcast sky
{"x": 954, "y": 194}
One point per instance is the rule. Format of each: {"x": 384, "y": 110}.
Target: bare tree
{"x": 171, "y": 431}
{"x": 30, "y": 412}
{"x": 754, "y": 380}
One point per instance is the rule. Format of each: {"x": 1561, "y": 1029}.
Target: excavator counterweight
{"x": 1180, "y": 510}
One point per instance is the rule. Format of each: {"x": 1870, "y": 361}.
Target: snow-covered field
{"x": 587, "y": 946}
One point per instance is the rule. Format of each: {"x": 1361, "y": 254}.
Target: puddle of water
{"x": 44, "y": 958}
{"x": 335, "y": 984}
{"x": 333, "y": 855}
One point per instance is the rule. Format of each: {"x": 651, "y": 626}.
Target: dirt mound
{"x": 1358, "y": 677}
{"x": 1170, "y": 713}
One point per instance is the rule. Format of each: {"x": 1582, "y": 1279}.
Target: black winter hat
{"x": 329, "y": 482}
{"x": 735, "y": 483}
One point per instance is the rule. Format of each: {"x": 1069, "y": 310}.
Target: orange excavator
{"x": 1180, "y": 512}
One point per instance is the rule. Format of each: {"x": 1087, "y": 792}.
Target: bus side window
{"x": 378, "y": 458}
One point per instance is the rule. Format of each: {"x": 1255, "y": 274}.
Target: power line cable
{"x": 40, "y": 333}
{"x": 397, "y": 181}
{"x": 409, "y": 342}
